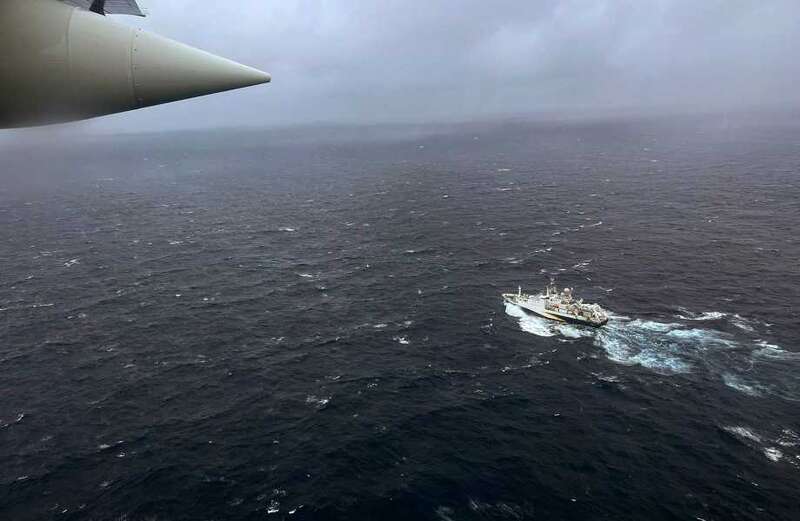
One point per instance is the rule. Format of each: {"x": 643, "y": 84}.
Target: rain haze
{"x": 395, "y": 61}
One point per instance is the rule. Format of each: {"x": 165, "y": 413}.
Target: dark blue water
{"x": 308, "y": 324}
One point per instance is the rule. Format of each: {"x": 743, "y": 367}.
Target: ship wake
{"x": 741, "y": 362}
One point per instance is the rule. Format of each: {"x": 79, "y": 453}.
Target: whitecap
{"x": 319, "y": 403}
{"x": 773, "y": 454}
{"x": 743, "y": 433}
{"x": 286, "y": 229}
{"x": 788, "y": 438}
{"x": 611, "y": 379}
{"x": 402, "y": 340}
{"x": 706, "y": 315}
{"x": 743, "y": 323}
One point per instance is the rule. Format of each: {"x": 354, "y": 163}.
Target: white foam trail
{"x": 628, "y": 342}
{"x": 632, "y": 346}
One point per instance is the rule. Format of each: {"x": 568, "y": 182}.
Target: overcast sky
{"x": 404, "y": 60}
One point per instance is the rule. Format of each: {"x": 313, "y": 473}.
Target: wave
{"x": 736, "y": 382}
{"x": 763, "y": 443}
{"x": 771, "y": 351}
{"x": 706, "y": 315}
{"x": 742, "y": 323}
{"x": 745, "y": 324}
{"x": 318, "y": 402}
{"x": 743, "y": 433}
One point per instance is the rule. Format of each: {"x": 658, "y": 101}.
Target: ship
{"x": 559, "y": 306}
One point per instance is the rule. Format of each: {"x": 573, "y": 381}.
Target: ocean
{"x": 307, "y": 323}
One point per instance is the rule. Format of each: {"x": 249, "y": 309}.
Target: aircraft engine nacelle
{"x": 60, "y": 63}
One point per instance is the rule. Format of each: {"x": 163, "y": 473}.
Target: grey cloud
{"x": 391, "y": 60}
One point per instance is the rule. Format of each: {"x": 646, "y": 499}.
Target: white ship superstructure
{"x": 560, "y": 306}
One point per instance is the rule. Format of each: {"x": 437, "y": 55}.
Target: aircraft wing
{"x": 108, "y": 6}
{"x": 61, "y": 60}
